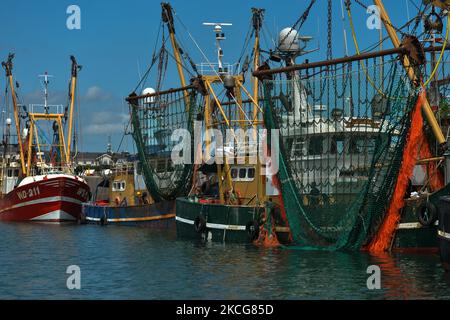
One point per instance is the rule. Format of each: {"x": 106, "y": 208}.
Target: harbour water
{"x": 138, "y": 263}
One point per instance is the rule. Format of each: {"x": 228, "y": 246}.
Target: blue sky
{"x": 118, "y": 36}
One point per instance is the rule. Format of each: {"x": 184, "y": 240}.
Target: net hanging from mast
{"x": 154, "y": 118}
{"x": 341, "y": 147}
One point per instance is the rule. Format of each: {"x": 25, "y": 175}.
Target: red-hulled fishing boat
{"x": 37, "y": 179}
{"x": 50, "y": 198}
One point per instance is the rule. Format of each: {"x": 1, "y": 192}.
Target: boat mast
{"x": 410, "y": 71}
{"x": 167, "y": 18}
{"x": 8, "y": 66}
{"x": 73, "y": 86}
{"x": 257, "y": 24}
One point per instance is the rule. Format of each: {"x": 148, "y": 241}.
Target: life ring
{"x": 427, "y": 214}
{"x": 200, "y": 224}
{"x": 252, "y": 228}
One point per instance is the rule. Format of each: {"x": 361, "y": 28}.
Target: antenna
{"x": 220, "y": 36}
{"x": 46, "y": 77}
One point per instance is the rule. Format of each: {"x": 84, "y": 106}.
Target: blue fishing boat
{"x": 127, "y": 202}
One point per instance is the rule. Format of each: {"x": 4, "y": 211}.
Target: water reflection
{"x": 135, "y": 263}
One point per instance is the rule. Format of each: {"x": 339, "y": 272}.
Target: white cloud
{"x": 106, "y": 123}
{"x": 105, "y": 128}
{"x": 37, "y": 97}
{"x": 95, "y": 93}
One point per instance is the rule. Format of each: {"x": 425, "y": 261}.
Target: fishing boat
{"x": 144, "y": 194}
{"x": 126, "y": 201}
{"x": 361, "y": 170}
{"x": 165, "y": 120}
{"x": 38, "y": 183}
{"x": 232, "y": 196}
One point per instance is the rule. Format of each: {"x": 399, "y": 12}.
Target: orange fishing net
{"x": 267, "y": 235}
{"x": 266, "y": 238}
{"x": 382, "y": 240}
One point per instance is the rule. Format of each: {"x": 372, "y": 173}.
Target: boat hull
{"x": 223, "y": 223}
{"x": 157, "y": 215}
{"x": 49, "y": 200}
{"x": 411, "y": 235}
{"x": 444, "y": 232}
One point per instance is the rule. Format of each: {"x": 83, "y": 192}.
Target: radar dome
{"x": 288, "y": 40}
{"x": 149, "y": 91}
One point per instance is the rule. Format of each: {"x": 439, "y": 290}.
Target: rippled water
{"x": 138, "y": 263}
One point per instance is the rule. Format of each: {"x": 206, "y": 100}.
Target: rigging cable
{"x": 355, "y": 41}
{"x": 300, "y": 21}
{"x": 209, "y": 62}
{"x": 442, "y": 51}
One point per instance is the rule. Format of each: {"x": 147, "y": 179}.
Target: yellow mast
{"x": 410, "y": 71}
{"x": 30, "y": 146}
{"x": 73, "y": 84}
{"x": 8, "y": 68}
{"x": 257, "y": 24}
{"x": 168, "y": 18}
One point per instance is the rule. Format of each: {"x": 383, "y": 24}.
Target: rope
{"x": 355, "y": 41}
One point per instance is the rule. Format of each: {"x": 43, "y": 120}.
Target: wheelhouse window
{"x": 251, "y": 173}
{"x": 337, "y": 145}
{"x": 243, "y": 174}
{"x": 362, "y": 145}
{"x": 118, "y": 186}
{"x": 315, "y": 146}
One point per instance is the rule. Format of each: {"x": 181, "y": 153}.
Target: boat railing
{"x": 39, "y": 171}
{"x": 214, "y": 68}
{"x": 46, "y": 109}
